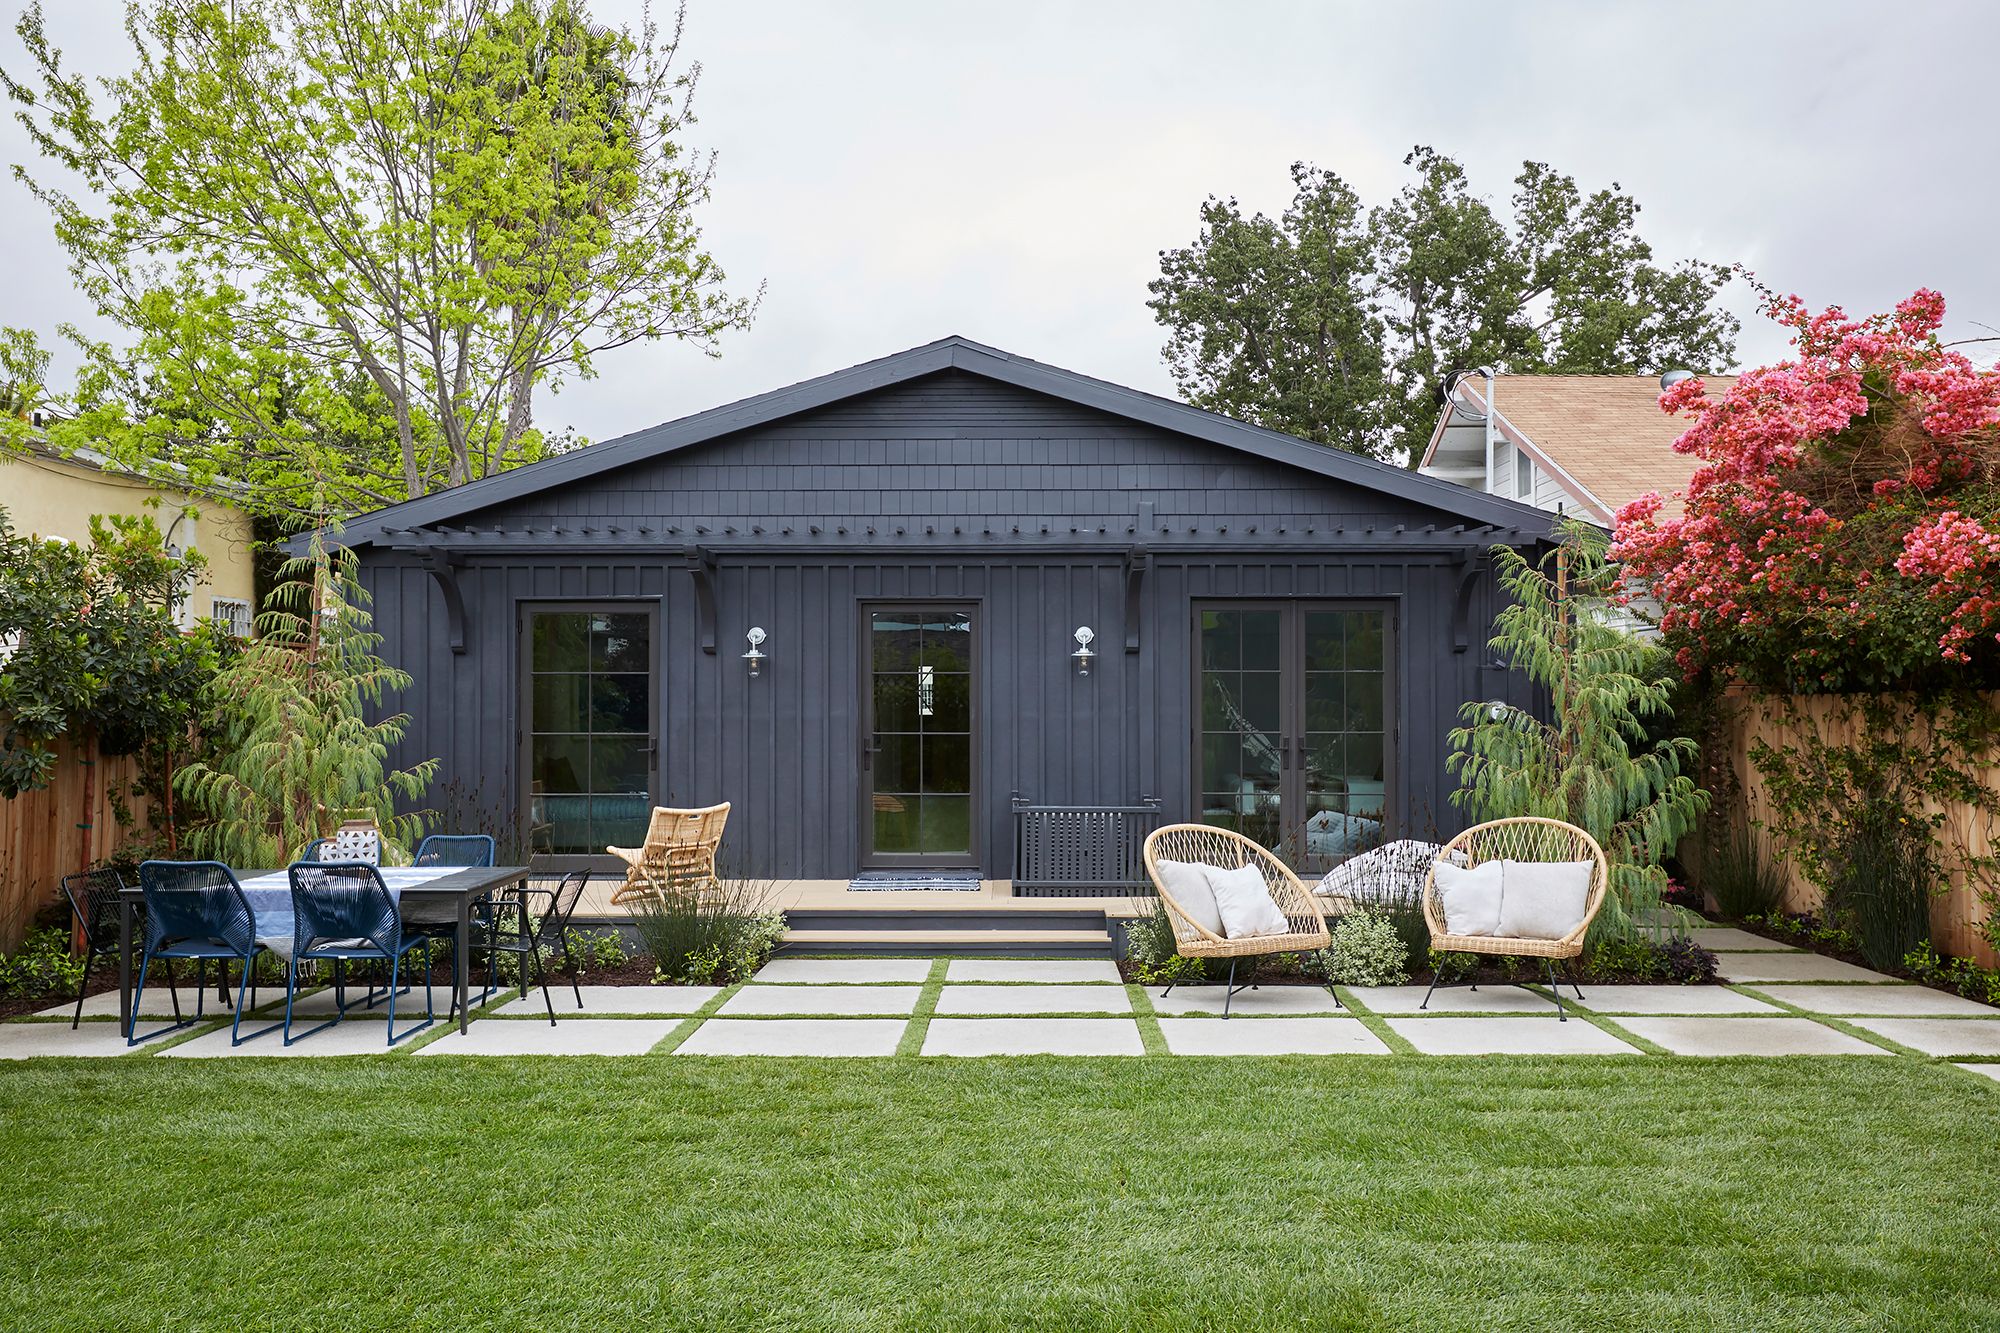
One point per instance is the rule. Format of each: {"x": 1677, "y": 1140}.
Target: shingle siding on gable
{"x": 961, "y": 452}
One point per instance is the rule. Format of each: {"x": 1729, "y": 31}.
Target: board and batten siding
{"x": 951, "y": 488}
{"x": 784, "y": 748}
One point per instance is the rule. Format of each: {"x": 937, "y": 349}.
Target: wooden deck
{"x": 833, "y": 895}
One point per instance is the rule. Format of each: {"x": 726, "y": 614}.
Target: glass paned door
{"x": 1294, "y": 726}
{"x": 1242, "y": 761}
{"x": 919, "y": 746}
{"x": 591, "y": 729}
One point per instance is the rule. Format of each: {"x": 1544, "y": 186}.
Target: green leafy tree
{"x": 1599, "y": 761}
{"x": 90, "y": 647}
{"x": 348, "y": 241}
{"x": 1338, "y": 327}
{"x": 294, "y": 750}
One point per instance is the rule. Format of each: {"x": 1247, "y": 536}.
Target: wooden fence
{"x": 47, "y": 834}
{"x": 1955, "y": 913}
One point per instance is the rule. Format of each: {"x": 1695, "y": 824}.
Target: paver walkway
{"x": 1780, "y": 1001}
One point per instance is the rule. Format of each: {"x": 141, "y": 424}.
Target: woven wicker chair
{"x": 1219, "y": 847}
{"x": 1521, "y": 839}
{"x": 679, "y": 856}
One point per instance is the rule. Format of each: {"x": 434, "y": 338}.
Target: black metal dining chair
{"x": 508, "y": 923}
{"x": 93, "y": 899}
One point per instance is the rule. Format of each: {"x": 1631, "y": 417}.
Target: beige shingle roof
{"x": 1606, "y": 431}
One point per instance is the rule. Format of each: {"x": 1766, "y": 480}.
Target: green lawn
{"x": 1044, "y": 1193}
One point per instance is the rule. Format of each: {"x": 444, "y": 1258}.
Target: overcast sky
{"x": 897, "y": 171}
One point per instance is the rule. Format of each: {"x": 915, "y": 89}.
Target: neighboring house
{"x": 1585, "y": 444}
{"x": 1280, "y": 633}
{"x": 54, "y": 495}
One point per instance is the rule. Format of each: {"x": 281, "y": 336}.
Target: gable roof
{"x": 974, "y": 358}
{"x": 1604, "y": 435}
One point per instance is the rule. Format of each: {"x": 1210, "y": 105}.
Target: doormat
{"x": 906, "y": 881}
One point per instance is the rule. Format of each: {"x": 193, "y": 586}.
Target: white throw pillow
{"x": 1470, "y": 898}
{"x": 1245, "y": 901}
{"x": 1187, "y": 884}
{"x": 1543, "y": 900}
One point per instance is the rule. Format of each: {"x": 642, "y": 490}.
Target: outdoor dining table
{"x": 427, "y": 899}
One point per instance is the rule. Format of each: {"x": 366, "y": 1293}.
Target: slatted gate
{"x": 1078, "y": 851}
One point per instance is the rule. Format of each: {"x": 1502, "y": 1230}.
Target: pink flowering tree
{"x": 1843, "y": 531}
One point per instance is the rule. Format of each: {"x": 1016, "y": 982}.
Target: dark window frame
{"x": 524, "y": 703}
{"x": 974, "y": 609}
{"x": 1291, "y": 727}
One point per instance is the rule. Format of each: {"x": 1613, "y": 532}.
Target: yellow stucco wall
{"x": 52, "y": 497}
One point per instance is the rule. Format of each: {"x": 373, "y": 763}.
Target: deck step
{"x": 870, "y": 917}
{"x": 1012, "y": 943}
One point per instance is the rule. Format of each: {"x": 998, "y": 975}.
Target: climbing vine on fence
{"x": 1863, "y": 818}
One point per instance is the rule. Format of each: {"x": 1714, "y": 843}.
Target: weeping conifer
{"x": 295, "y": 752}
{"x": 1595, "y": 765}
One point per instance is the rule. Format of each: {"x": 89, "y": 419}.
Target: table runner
{"x": 270, "y": 898}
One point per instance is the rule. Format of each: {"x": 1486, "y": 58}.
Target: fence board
{"x": 1956, "y": 913}
{"x": 47, "y": 834}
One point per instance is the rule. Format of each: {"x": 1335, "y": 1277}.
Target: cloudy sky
{"x": 895, "y": 171}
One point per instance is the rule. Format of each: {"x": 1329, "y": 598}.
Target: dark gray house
{"x": 873, "y": 608}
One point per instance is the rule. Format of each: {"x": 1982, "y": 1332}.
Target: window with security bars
{"x": 230, "y": 614}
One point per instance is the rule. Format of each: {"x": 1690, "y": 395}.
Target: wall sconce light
{"x": 1083, "y": 657}
{"x": 755, "y": 657}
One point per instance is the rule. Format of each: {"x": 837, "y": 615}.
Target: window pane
{"x": 561, "y": 641}
{"x": 620, "y": 703}
{"x": 951, "y": 703}
{"x": 1365, "y": 632}
{"x": 895, "y": 823}
{"x": 1221, "y": 640}
{"x": 1326, "y": 640}
{"x": 895, "y": 640}
{"x": 560, "y": 764}
{"x": 896, "y": 702}
{"x": 618, "y": 766}
{"x": 1326, "y": 700}
{"x": 1260, "y": 700}
{"x": 898, "y": 763}
{"x": 947, "y": 764}
{"x": 1364, "y": 701}
{"x": 559, "y": 703}
{"x": 618, "y": 821}
{"x": 619, "y": 643}
{"x": 948, "y": 642}
{"x": 1262, "y": 637}
{"x": 946, "y": 824}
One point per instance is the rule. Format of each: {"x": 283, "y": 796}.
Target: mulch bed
{"x": 1483, "y": 975}
{"x": 632, "y": 972}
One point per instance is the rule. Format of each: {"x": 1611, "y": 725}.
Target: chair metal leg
{"x": 82, "y": 989}
{"x": 1230, "y": 993}
{"x": 173, "y": 989}
{"x": 570, "y": 963}
{"x": 1326, "y": 967}
{"x": 243, "y": 988}
{"x": 542, "y": 980}
{"x": 1555, "y": 990}
{"x": 138, "y": 994}
{"x": 1436, "y": 973}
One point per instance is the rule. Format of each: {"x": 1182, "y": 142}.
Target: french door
{"x": 918, "y": 740}
{"x": 1295, "y": 724}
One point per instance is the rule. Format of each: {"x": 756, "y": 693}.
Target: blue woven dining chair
{"x": 196, "y": 909}
{"x": 455, "y": 849}
{"x": 343, "y": 913}
{"x": 313, "y": 849}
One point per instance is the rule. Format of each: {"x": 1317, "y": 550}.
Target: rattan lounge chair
{"x": 679, "y": 856}
{"x": 1206, "y": 845}
{"x": 1521, "y": 839}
